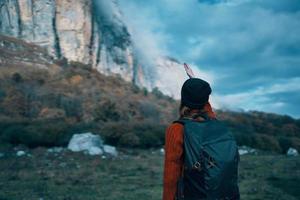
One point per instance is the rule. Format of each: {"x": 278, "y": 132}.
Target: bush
{"x": 16, "y": 77}
{"x": 12, "y": 134}
{"x": 129, "y": 139}
{"x": 267, "y": 142}
{"x": 145, "y": 91}
{"x": 135, "y": 89}
{"x": 157, "y": 93}
{"x": 2, "y": 94}
{"x": 37, "y": 133}
{"x": 72, "y": 106}
{"x": 142, "y": 135}
{"x": 259, "y": 141}
{"x": 287, "y": 142}
{"x": 107, "y": 111}
{"x": 149, "y": 110}
{"x": 245, "y": 139}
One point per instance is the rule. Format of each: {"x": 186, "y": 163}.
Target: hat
{"x": 195, "y": 93}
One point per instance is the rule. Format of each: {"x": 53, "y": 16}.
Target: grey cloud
{"x": 245, "y": 43}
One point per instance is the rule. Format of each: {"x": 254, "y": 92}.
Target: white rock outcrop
{"x": 20, "y": 153}
{"x": 292, "y": 152}
{"x": 111, "y": 150}
{"x": 85, "y": 141}
{"x": 246, "y": 150}
{"x": 90, "y": 144}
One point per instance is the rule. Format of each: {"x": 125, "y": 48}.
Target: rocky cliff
{"x": 86, "y": 31}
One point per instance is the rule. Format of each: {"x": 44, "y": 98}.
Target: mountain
{"x": 43, "y": 101}
{"x": 71, "y": 66}
{"x": 32, "y": 81}
{"x": 90, "y": 32}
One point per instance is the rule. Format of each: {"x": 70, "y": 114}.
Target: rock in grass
{"x": 55, "y": 150}
{"x": 86, "y": 142}
{"x": 20, "y": 153}
{"x": 95, "y": 151}
{"x": 246, "y": 150}
{"x": 91, "y": 144}
{"x": 292, "y": 152}
{"x": 110, "y": 150}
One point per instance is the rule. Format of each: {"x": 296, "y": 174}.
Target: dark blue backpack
{"x": 211, "y": 160}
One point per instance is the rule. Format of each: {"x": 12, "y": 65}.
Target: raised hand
{"x": 189, "y": 71}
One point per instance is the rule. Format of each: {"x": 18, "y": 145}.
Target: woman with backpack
{"x": 201, "y": 156}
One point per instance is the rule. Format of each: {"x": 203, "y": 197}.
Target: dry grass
{"x": 136, "y": 174}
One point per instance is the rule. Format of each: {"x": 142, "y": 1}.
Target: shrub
{"x": 245, "y": 139}
{"x": 145, "y": 91}
{"x": 129, "y": 139}
{"x": 16, "y": 77}
{"x": 62, "y": 62}
{"x": 267, "y": 142}
{"x": 112, "y": 132}
{"x": 37, "y": 133}
{"x": 149, "y": 110}
{"x": 13, "y": 133}
{"x": 72, "y": 107}
{"x": 131, "y": 134}
{"x": 135, "y": 89}
{"x": 2, "y": 94}
{"x": 287, "y": 142}
{"x": 295, "y": 143}
{"x": 107, "y": 111}
{"x": 157, "y": 93}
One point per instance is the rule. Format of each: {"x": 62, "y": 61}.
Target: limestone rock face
{"x": 30, "y": 20}
{"x": 87, "y": 31}
{"x": 73, "y": 24}
{"x": 79, "y": 30}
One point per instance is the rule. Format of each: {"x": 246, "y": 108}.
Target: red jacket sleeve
{"x": 173, "y": 160}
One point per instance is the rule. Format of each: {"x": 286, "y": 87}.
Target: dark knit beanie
{"x": 195, "y": 93}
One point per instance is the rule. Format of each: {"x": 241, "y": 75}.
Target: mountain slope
{"x": 41, "y": 97}
{"x": 28, "y": 69}
{"x": 87, "y": 31}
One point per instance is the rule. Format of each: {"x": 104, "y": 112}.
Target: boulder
{"x": 91, "y": 144}
{"x": 110, "y": 150}
{"x": 55, "y": 150}
{"x": 292, "y": 152}
{"x": 86, "y": 142}
{"x": 95, "y": 151}
{"x": 246, "y": 150}
{"x": 20, "y": 153}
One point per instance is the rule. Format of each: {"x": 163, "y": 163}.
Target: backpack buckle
{"x": 197, "y": 166}
{"x": 211, "y": 162}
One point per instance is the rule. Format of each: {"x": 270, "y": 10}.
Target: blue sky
{"x": 251, "y": 48}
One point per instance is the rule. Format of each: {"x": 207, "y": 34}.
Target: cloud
{"x": 273, "y": 98}
{"x": 148, "y": 32}
{"x": 248, "y": 45}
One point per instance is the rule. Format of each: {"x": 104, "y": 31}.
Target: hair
{"x": 187, "y": 112}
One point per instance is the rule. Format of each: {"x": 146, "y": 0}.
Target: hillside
{"x": 265, "y": 131}
{"x": 43, "y": 101}
{"x": 92, "y": 32}
{"x": 36, "y": 89}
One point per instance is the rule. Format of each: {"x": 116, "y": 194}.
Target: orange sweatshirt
{"x": 174, "y": 156}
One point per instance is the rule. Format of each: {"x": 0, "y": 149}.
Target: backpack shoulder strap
{"x": 179, "y": 121}
{"x": 182, "y": 121}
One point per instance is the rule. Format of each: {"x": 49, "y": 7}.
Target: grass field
{"x": 134, "y": 175}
